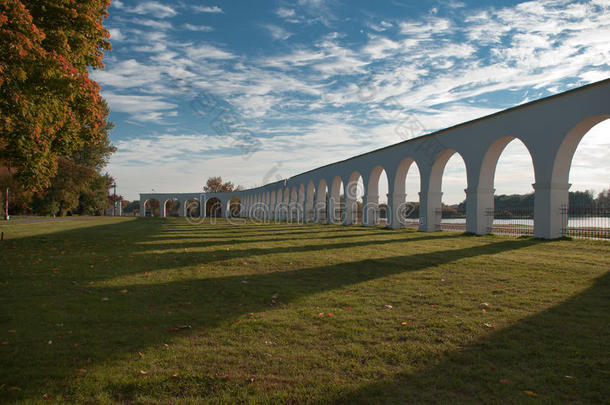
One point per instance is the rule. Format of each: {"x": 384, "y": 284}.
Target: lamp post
{"x": 113, "y": 186}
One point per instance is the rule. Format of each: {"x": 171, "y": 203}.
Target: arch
{"x": 371, "y": 205}
{"x": 172, "y": 207}
{"x": 293, "y": 204}
{"x": 192, "y": 207}
{"x": 354, "y": 191}
{"x": 320, "y": 210}
{"x": 278, "y": 204}
{"x": 334, "y": 201}
{"x": 484, "y": 196}
{"x": 563, "y": 159}
{"x": 301, "y": 203}
{"x": 430, "y": 207}
{"x": 213, "y": 208}
{"x": 233, "y": 208}
{"x": 404, "y": 207}
{"x": 152, "y": 208}
{"x": 310, "y": 201}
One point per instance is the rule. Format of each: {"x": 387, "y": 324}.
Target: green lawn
{"x": 160, "y": 311}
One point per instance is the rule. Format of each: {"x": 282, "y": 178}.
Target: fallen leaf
{"x": 123, "y": 291}
{"x": 142, "y": 372}
{"x": 12, "y": 331}
{"x": 140, "y": 354}
{"x": 14, "y": 389}
{"x": 531, "y": 393}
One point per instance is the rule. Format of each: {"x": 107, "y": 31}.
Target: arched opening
{"x": 277, "y": 207}
{"x": 301, "y": 203}
{"x": 234, "y": 207}
{"x": 405, "y": 195}
{"x": 213, "y": 208}
{"x": 192, "y": 208}
{"x": 293, "y": 204}
{"x": 372, "y": 212}
{"x": 588, "y": 208}
{"x": 284, "y": 207}
{"x": 443, "y": 207}
{"x": 172, "y": 208}
{"x": 334, "y": 201}
{"x": 321, "y": 208}
{"x": 505, "y": 193}
{"x": 152, "y": 208}
{"x": 354, "y": 192}
{"x": 310, "y": 201}
{"x": 271, "y": 206}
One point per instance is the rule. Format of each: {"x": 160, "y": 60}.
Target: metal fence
{"x": 591, "y": 222}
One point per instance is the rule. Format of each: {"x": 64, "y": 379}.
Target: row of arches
{"x": 191, "y": 207}
{"x": 412, "y": 192}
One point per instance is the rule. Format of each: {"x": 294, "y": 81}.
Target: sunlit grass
{"x": 161, "y": 311}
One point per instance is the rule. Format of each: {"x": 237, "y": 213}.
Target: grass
{"x": 116, "y": 310}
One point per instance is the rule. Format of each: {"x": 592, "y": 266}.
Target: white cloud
{"x": 285, "y": 12}
{"x": 277, "y": 33}
{"x": 140, "y": 108}
{"x": 208, "y": 52}
{"x": 115, "y": 34}
{"x": 207, "y": 9}
{"x": 382, "y": 26}
{"x": 201, "y": 28}
{"x": 155, "y": 9}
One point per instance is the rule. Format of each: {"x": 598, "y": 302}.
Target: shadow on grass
{"x": 39, "y": 299}
{"x": 558, "y": 356}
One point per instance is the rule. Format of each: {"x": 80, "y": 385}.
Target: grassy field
{"x": 116, "y": 310}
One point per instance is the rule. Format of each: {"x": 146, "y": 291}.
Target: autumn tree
{"x": 49, "y": 107}
{"x": 215, "y": 185}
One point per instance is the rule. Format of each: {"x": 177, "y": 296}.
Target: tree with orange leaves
{"x": 49, "y": 107}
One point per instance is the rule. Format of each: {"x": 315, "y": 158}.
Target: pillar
{"x": 370, "y": 210}
{"x": 479, "y": 210}
{"x": 395, "y": 214}
{"x": 550, "y": 209}
{"x": 430, "y": 211}
{"x": 162, "y": 209}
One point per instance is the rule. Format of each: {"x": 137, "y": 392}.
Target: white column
{"x": 162, "y": 212}
{"x": 550, "y": 209}
{"x": 395, "y": 206}
{"x": 479, "y": 210}
{"x": 370, "y": 210}
{"x": 430, "y": 211}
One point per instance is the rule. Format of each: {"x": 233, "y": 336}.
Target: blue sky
{"x": 256, "y": 91}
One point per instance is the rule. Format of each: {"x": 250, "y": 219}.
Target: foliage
{"x": 285, "y": 313}
{"x": 132, "y": 206}
{"x": 49, "y": 107}
{"x": 215, "y": 185}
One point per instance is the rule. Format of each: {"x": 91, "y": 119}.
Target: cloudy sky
{"x": 258, "y": 91}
